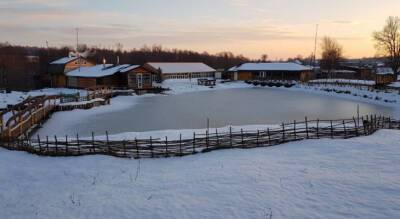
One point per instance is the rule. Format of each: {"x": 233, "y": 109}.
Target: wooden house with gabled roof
{"x": 60, "y": 67}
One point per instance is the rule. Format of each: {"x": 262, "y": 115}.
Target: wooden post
{"x": 55, "y": 138}
{"x": 258, "y": 135}
{"x": 356, "y": 126}
{"x": 137, "y": 148}
{"x": 93, "y": 147}
{"x": 230, "y": 135}
{"x": 307, "y": 128}
{"x": 77, "y": 143}
{"x": 332, "y": 129}
{"x": 151, "y": 147}
{"x": 241, "y": 132}
{"x": 345, "y": 131}
{"x": 180, "y": 144}
{"x": 390, "y": 122}
{"x": 216, "y": 134}
{"x": 194, "y": 142}
{"x": 108, "y": 143}
{"x": 294, "y": 129}
{"x": 40, "y": 146}
{"x": 269, "y": 137}
{"x": 47, "y": 143}
{"x": 283, "y": 132}
{"x": 166, "y": 146}
{"x": 207, "y": 139}
{"x": 124, "y": 147}
{"x": 66, "y": 145}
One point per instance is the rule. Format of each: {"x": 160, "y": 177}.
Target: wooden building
{"x": 271, "y": 71}
{"x": 384, "y": 76}
{"x": 182, "y": 70}
{"x": 117, "y": 76}
{"x": 59, "y": 68}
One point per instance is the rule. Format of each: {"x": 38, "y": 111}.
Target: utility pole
{"x": 77, "y": 40}
{"x": 315, "y": 45}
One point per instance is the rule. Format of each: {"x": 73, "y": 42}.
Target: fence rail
{"x": 205, "y": 142}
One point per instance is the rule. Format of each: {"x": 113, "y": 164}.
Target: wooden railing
{"x": 205, "y": 142}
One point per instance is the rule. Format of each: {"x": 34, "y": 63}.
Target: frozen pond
{"x": 222, "y": 107}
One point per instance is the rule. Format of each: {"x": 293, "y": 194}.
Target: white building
{"x": 182, "y": 70}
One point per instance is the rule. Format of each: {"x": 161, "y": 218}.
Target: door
{"x": 139, "y": 81}
{"x": 235, "y": 76}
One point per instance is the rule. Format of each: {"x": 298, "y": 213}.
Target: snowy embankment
{"x": 16, "y": 96}
{"x": 353, "y": 93}
{"x": 180, "y": 86}
{"x": 353, "y": 178}
{"x": 344, "y": 81}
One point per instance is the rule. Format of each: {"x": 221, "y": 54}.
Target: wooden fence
{"x": 204, "y": 142}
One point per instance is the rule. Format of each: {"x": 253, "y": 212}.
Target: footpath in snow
{"x": 353, "y": 178}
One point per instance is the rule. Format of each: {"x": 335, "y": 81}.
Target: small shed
{"x": 384, "y": 76}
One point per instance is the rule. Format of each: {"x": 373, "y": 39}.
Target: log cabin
{"x": 384, "y": 76}
{"x": 271, "y": 71}
{"x": 118, "y": 76}
{"x": 60, "y": 67}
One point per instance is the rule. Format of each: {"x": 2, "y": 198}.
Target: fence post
{"x": 230, "y": 135}
{"x": 108, "y": 143}
{"x": 283, "y": 132}
{"x": 241, "y": 132}
{"x": 269, "y": 137}
{"x": 40, "y": 146}
{"x": 55, "y": 138}
{"x": 137, "y": 148}
{"x": 151, "y": 147}
{"x": 77, "y": 142}
{"x": 345, "y": 131}
{"x": 294, "y": 128}
{"x": 356, "y": 126}
{"x": 166, "y": 146}
{"x": 216, "y": 134}
{"x": 47, "y": 144}
{"x": 332, "y": 129}
{"x": 94, "y": 148}
{"x": 390, "y": 122}
{"x": 307, "y": 128}
{"x": 207, "y": 139}
{"x": 66, "y": 144}
{"x": 317, "y": 128}
{"x": 194, "y": 142}
{"x": 180, "y": 144}
{"x": 258, "y": 135}
{"x": 124, "y": 146}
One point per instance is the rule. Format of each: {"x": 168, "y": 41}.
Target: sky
{"x": 279, "y": 28}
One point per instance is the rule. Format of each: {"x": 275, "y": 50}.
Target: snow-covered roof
{"x": 64, "y": 60}
{"x": 97, "y": 71}
{"x": 130, "y": 68}
{"x": 384, "y": 71}
{"x": 274, "y": 66}
{"x": 181, "y": 67}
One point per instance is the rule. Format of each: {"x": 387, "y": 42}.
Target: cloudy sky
{"x": 280, "y": 28}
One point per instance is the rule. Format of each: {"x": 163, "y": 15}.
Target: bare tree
{"x": 331, "y": 54}
{"x": 264, "y": 57}
{"x": 388, "y": 42}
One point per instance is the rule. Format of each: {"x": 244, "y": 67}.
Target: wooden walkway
{"x": 205, "y": 142}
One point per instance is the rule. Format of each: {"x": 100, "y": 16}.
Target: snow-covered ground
{"x": 353, "y": 178}
{"x": 16, "y": 96}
